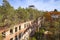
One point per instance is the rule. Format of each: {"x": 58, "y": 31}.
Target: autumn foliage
{"x": 47, "y": 15}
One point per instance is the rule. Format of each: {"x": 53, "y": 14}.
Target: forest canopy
{"x": 9, "y": 15}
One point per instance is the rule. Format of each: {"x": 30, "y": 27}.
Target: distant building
{"x": 32, "y": 6}
{"x": 55, "y": 16}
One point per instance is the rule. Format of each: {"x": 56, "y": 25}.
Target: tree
{"x": 22, "y": 14}
{"x": 55, "y": 10}
{"x": 8, "y": 15}
{"x": 7, "y": 11}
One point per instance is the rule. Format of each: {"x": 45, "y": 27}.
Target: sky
{"x": 46, "y": 5}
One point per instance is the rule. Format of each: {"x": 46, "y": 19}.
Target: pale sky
{"x": 39, "y": 4}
